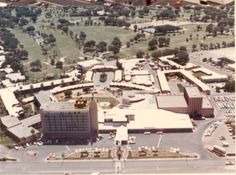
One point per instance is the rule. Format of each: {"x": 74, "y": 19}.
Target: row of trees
{"x": 161, "y": 42}
{"x": 164, "y": 29}
{"x": 102, "y": 46}
{"x": 180, "y": 53}
{"x": 16, "y": 53}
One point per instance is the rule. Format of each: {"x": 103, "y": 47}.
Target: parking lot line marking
{"x": 68, "y": 148}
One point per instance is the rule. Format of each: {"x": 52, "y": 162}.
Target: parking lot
{"x": 219, "y": 134}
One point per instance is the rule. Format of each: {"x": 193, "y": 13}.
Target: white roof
{"x": 7, "y": 70}
{"x": 154, "y": 119}
{"x": 121, "y": 134}
{"x": 88, "y": 76}
{"x": 211, "y": 75}
{"x": 14, "y": 77}
{"x": 163, "y": 81}
{"x": 139, "y": 72}
{"x": 166, "y": 101}
{"x": 142, "y": 80}
{"x": 7, "y": 83}
{"x": 29, "y": 121}
{"x": 190, "y": 77}
{"x": 10, "y": 102}
{"x": 10, "y": 121}
{"x": 222, "y": 2}
{"x": 3, "y": 4}
{"x": 232, "y": 66}
{"x": 77, "y": 86}
{"x": 206, "y": 102}
{"x": 130, "y": 85}
{"x": 172, "y": 63}
{"x": 118, "y": 76}
{"x": 48, "y": 83}
{"x": 21, "y": 131}
{"x": 88, "y": 63}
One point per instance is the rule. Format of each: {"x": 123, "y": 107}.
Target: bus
{"x": 219, "y": 150}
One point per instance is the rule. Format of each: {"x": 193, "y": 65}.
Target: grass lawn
{"x": 198, "y": 74}
{"x": 39, "y": 76}
{"x": 104, "y": 33}
{"x": 30, "y": 45}
{"x": 4, "y": 139}
{"x": 190, "y": 29}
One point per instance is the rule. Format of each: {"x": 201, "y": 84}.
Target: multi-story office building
{"x": 69, "y": 120}
{"x": 193, "y": 103}
{"x": 193, "y": 98}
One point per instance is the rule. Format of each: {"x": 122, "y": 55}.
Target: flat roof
{"x": 15, "y": 77}
{"x": 163, "y": 81}
{"x": 149, "y": 119}
{"x": 61, "y": 106}
{"x": 190, "y": 77}
{"x": 88, "y": 63}
{"x": 206, "y": 102}
{"x": 193, "y": 92}
{"x": 165, "y": 101}
{"x": 142, "y": 80}
{"x": 118, "y": 75}
{"x": 21, "y": 131}
{"x": 10, "y": 121}
{"x": 121, "y": 133}
{"x": 43, "y": 97}
{"x": 11, "y": 104}
{"x": 29, "y": 121}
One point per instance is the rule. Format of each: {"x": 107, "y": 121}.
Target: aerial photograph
{"x": 104, "y": 87}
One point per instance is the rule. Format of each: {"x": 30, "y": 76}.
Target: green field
{"x": 4, "y": 139}
{"x": 104, "y": 33}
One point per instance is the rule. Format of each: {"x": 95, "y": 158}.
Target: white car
{"x": 229, "y": 163}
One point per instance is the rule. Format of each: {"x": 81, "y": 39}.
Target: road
{"x": 107, "y": 167}
{"x": 196, "y": 58}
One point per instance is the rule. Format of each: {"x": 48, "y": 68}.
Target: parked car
{"x": 229, "y": 163}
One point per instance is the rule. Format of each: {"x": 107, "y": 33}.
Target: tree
{"x": 135, "y": 28}
{"x": 59, "y": 64}
{"x": 82, "y": 36}
{"x": 140, "y": 54}
{"x": 52, "y": 61}
{"x": 221, "y": 29}
{"x": 167, "y": 43}
{"x": 36, "y": 65}
{"x": 162, "y": 41}
{"x": 194, "y": 46}
{"x": 30, "y": 29}
{"x": 68, "y": 93}
{"x": 114, "y": 49}
{"x": 133, "y": 13}
{"x": 128, "y": 44}
{"x": 65, "y": 29}
{"x": 215, "y": 30}
{"x": 156, "y": 55}
{"x": 230, "y": 86}
{"x": 116, "y": 42}
{"x": 152, "y": 44}
{"x": 90, "y": 43}
{"x": 101, "y": 46}
{"x": 209, "y": 28}
{"x": 182, "y": 57}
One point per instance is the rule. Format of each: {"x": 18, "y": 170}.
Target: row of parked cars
{"x": 224, "y": 98}
{"x": 39, "y": 143}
